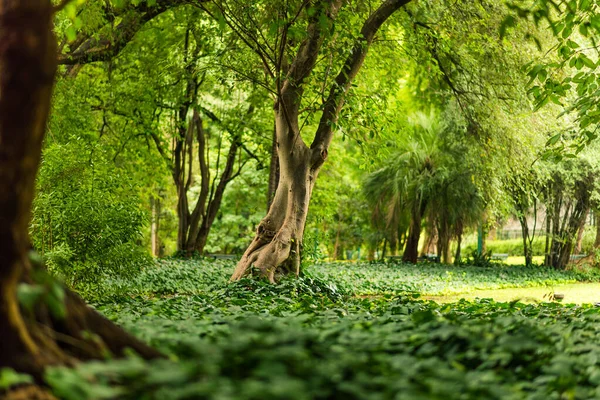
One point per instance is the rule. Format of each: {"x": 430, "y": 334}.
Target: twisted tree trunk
{"x": 275, "y": 250}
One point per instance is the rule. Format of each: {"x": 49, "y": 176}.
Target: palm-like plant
{"x": 399, "y": 192}
{"x": 426, "y": 178}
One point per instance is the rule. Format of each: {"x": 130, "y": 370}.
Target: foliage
{"x": 309, "y": 340}
{"x": 87, "y": 217}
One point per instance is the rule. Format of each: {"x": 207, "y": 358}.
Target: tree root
{"x": 83, "y": 334}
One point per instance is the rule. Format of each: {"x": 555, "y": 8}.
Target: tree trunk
{"x": 155, "y": 203}
{"x": 547, "y": 257}
{"x": 275, "y": 250}
{"x": 527, "y": 250}
{"x": 273, "y": 170}
{"x": 411, "y": 251}
{"x": 394, "y": 243}
{"x": 579, "y": 241}
{"x": 457, "y": 255}
{"x": 30, "y": 342}
{"x": 573, "y": 224}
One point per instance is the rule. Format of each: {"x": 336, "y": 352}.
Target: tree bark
{"x": 30, "y": 342}
{"x": 411, "y": 251}
{"x": 547, "y": 257}
{"x": 155, "y": 204}
{"x": 275, "y": 250}
{"x": 273, "y": 170}
{"x": 527, "y": 250}
{"x": 457, "y": 255}
{"x": 579, "y": 241}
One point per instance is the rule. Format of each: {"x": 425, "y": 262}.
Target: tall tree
{"x": 288, "y": 62}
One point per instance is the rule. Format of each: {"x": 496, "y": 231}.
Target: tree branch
{"x": 352, "y": 65}
{"x": 109, "y": 42}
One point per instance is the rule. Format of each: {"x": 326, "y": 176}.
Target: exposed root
{"x": 279, "y": 257}
{"x": 29, "y": 392}
{"x": 46, "y": 340}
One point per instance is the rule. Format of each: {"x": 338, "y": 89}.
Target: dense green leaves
{"x": 308, "y": 339}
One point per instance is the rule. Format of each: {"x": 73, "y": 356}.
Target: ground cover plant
{"x": 310, "y": 338}
{"x": 281, "y": 133}
{"x": 190, "y": 277}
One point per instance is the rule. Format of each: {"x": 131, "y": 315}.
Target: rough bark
{"x": 273, "y": 170}
{"x": 30, "y": 342}
{"x": 275, "y": 250}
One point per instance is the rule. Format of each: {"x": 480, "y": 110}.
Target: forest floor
{"x": 351, "y": 331}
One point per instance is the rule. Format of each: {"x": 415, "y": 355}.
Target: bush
{"x": 86, "y": 223}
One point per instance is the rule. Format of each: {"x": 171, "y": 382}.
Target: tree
{"x": 572, "y": 192}
{"x": 401, "y": 190}
{"x": 188, "y": 110}
{"x": 276, "y": 247}
{"x": 29, "y": 341}
{"x": 524, "y": 187}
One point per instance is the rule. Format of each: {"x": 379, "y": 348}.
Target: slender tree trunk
{"x": 411, "y": 251}
{"x": 154, "y": 226}
{"x": 575, "y": 223}
{"x": 273, "y": 170}
{"x": 457, "y": 255}
{"x": 383, "y": 247}
{"x": 393, "y": 243}
{"x": 527, "y": 250}
{"x": 547, "y": 257}
{"x": 580, "y": 231}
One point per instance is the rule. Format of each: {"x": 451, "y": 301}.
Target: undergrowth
{"x": 321, "y": 337}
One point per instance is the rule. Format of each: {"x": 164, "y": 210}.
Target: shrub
{"x": 86, "y": 223}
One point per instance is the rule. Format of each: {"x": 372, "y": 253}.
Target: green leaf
{"x": 554, "y": 139}
{"x": 28, "y": 295}
{"x": 9, "y": 378}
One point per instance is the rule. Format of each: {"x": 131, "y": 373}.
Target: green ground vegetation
{"x": 352, "y": 331}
